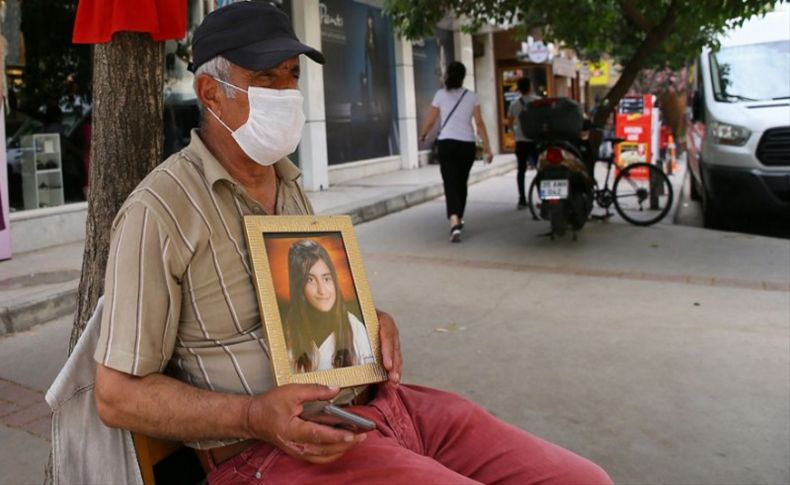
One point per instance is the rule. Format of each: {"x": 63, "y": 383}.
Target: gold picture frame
{"x": 284, "y": 246}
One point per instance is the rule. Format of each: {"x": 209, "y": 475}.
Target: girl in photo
{"x": 320, "y": 332}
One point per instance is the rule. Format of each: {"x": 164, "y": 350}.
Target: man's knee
{"x": 584, "y": 471}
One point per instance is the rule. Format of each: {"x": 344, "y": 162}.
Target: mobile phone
{"x": 350, "y": 421}
{"x": 325, "y": 413}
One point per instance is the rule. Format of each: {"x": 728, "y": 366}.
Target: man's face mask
{"x": 274, "y": 126}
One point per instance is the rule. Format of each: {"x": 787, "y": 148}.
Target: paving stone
{"x": 27, "y": 414}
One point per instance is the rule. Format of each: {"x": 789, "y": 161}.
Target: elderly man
{"x": 182, "y": 354}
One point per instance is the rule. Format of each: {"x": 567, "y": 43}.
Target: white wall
{"x": 486, "y": 87}
{"x": 407, "y": 103}
{"x": 313, "y": 156}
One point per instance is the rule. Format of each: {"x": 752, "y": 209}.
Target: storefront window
{"x": 431, "y": 57}
{"x": 359, "y": 81}
{"x": 48, "y": 100}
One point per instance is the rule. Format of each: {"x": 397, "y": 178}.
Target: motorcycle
{"x": 565, "y": 184}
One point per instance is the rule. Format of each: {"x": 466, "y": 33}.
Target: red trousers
{"x": 423, "y": 436}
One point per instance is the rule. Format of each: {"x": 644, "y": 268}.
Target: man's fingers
{"x": 311, "y": 392}
{"x": 387, "y": 328}
{"x": 321, "y": 434}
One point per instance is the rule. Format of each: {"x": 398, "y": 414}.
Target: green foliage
{"x": 591, "y": 27}
{"x": 50, "y": 57}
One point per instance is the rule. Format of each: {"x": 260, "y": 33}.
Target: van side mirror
{"x": 696, "y": 107}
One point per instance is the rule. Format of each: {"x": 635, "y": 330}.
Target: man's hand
{"x": 390, "y": 347}
{"x": 274, "y": 417}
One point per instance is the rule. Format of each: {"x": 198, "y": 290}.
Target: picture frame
{"x": 314, "y": 300}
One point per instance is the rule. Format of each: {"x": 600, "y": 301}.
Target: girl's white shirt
{"x": 362, "y": 350}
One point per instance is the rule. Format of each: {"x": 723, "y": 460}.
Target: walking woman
{"x": 458, "y": 108}
{"x": 320, "y": 333}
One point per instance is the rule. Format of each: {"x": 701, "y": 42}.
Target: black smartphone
{"x": 325, "y": 413}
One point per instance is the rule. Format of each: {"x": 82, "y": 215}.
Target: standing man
{"x": 182, "y": 353}
{"x": 526, "y": 150}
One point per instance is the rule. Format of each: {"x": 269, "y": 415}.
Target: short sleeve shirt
{"x": 513, "y": 112}
{"x": 179, "y": 296}
{"x": 459, "y": 126}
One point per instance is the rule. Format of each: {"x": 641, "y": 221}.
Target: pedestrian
{"x": 182, "y": 353}
{"x": 526, "y": 149}
{"x": 458, "y": 108}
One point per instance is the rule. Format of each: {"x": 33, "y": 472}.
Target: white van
{"x": 739, "y": 136}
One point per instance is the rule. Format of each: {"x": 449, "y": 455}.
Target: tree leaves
{"x": 591, "y": 27}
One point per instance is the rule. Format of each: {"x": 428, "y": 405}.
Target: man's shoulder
{"x": 170, "y": 178}
{"x": 170, "y": 185}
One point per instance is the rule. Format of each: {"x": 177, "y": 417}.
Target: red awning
{"x": 98, "y": 20}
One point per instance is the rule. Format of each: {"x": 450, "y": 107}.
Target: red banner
{"x": 98, "y": 20}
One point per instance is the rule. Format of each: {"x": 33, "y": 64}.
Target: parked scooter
{"x": 564, "y": 180}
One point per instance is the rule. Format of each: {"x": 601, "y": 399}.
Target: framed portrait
{"x": 314, "y": 300}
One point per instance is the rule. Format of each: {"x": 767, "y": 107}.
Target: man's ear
{"x": 209, "y": 93}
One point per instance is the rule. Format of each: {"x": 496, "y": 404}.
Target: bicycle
{"x": 641, "y": 192}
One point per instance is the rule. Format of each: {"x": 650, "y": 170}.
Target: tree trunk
{"x": 635, "y": 64}
{"x": 126, "y": 143}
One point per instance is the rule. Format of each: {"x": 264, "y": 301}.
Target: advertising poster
{"x": 634, "y": 123}
{"x": 431, "y": 57}
{"x": 359, "y": 81}
{"x": 5, "y": 229}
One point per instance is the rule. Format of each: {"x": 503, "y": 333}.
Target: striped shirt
{"x": 179, "y": 298}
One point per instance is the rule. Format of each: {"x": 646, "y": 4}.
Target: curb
{"x": 40, "y": 309}
{"x": 388, "y": 205}
{"x": 49, "y": 306}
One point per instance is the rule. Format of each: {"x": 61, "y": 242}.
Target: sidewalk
{"x": 39, "y": 286}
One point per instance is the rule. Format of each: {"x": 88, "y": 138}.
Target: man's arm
{"x": 160, "y": 406}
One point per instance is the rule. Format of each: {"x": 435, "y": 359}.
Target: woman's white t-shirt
{"x": 459, "y": 127}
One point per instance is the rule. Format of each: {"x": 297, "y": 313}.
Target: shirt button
{"x": 258, "y": 475}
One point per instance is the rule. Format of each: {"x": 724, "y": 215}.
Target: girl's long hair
{"x": 299, "y": 339}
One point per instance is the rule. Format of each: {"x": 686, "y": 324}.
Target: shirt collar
{"x": 214, "y": 171}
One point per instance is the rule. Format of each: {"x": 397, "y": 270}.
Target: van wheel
{"x": 712, "y": 215}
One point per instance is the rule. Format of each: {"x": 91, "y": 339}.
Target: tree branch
{"x": 655, "y": 37}
{"x": 635, "y": 16}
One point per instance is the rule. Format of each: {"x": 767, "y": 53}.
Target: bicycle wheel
{"x": 533, "y": 199}
{"x": 642, "y": 194}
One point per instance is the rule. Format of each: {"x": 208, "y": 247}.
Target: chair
{"x": 163, "y": 461}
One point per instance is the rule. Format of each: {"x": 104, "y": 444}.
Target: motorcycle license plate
{"x": 553, "y": 189}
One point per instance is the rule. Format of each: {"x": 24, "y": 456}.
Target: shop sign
{"x": 538, "y": 52}
{"x": 599, "y": 73}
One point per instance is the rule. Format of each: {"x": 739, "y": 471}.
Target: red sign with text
{"x": 634, "y": 123}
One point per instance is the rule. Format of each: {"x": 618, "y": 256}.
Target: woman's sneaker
{"x": 455, "y": 233}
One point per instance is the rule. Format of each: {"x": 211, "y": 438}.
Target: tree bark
{"x": 126, "y": 143}
{"x": 635, "y": 64}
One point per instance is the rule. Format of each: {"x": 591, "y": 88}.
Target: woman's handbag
{"x": 433, "y": 156}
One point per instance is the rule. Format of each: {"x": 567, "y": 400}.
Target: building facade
{"x": 363, "y": 108}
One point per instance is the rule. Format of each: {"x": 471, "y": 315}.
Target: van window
{"x": 755, "y": 72}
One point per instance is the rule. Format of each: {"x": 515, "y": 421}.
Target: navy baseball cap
{"x": 253, "y": 34}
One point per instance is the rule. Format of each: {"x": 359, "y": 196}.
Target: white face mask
{"x": 274, "y": 126}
